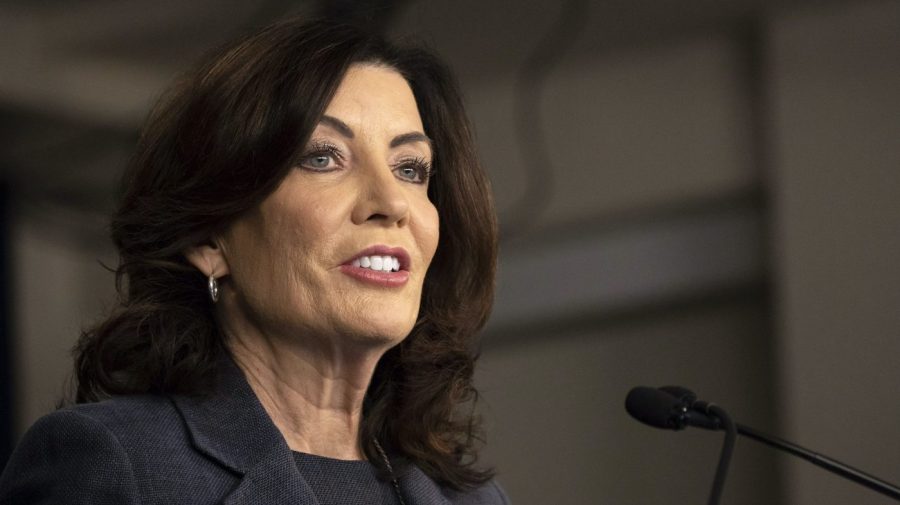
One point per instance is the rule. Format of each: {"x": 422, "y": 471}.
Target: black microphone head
{"x": 684, "y": 395}
{"x": 656, "y": 408}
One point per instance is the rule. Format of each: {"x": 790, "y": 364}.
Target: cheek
{"x": 275, "y": 247}
{"x": 286, "y": 238}
{"x": 428, "y": 230}
{"x": 303, "y": 221}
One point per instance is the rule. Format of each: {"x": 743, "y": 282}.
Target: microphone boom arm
{"x": 822, "y": 461}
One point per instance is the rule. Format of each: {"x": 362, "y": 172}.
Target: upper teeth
{"x": 379, "y": 263}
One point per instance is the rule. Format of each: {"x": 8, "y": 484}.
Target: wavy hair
{"x": 220, "y": 141}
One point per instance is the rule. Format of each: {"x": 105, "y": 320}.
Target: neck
{"x": 314, "y": 398}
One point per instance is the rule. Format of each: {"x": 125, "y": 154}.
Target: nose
{"x": 382, "y": 197}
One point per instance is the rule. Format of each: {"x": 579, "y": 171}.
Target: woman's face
{"x": 341, "y": 248}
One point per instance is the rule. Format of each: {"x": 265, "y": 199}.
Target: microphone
{"x": 676, "y": 407}
{"x": 685, "y": 395}
{"x": 670, "y": 407}
{"x": 655, "y": 408}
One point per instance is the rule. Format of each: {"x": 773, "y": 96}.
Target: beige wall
{"x": 836, "y": 186}
{"x": 560, "y": 433}
{"x": 60, "y": 287}
{"x": 627, "y": 131}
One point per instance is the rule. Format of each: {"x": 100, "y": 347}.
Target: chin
{"x": 382, "y": 323}
{"x": 388, "y": 331}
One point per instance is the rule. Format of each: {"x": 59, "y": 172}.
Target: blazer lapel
{"x": 275, "y": 481}
{"x": 230, "y": 426}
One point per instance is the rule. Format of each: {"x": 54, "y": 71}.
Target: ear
{"x": 209, "y": 258}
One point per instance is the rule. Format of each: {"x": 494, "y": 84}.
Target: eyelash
{"x": 321, "y": 148}
{"x": 421, "y": 165}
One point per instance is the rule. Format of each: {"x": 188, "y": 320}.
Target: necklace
{"x": 387, "y": 463}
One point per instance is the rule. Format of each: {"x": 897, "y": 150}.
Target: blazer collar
{"x": 228, "y": 423}
{"x": 231, "y": 426}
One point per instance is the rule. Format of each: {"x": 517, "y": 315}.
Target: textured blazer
{"x": 218, "y": 448}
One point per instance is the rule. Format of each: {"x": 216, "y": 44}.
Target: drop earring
{"x": 213, "y": 289}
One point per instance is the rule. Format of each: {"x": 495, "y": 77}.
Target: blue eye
{"x": 321, "y": 157}
{"x": 318, "y": 161}
{"x": 415, "y": 170}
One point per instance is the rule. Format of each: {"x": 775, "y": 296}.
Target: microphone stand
{"x": 729, "y": 426}
{"x": 675, "y": 408}
{"x": 822, "y": 461}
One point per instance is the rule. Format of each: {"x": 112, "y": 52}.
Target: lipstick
{"x": 364, "y": 266}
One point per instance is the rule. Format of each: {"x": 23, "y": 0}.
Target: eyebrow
{"x": 410, "y": 138}
{"x": 399, "y": 140}
{"x": 338, "y": 125}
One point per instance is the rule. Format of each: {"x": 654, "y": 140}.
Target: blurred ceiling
{"x": 77, "y": 77}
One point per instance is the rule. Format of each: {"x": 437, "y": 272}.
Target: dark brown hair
{"x": 216, "y": 145}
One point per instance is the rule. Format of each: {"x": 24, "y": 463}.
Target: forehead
{"x": 373, "y": 95}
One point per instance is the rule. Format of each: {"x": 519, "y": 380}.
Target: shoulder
{"x": 416, "y": 483}
{"x": 136, "y": 421}
{"x": 488, "y": 494}
{"x": 121, "y": 450}
{"x": 137, "y": 425}
{"x": 67, "y": 457}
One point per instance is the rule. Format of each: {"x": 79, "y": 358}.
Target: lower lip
{"x": 384, "y": 279}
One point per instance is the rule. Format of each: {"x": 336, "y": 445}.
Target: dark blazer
{"x": 219, "y": 448}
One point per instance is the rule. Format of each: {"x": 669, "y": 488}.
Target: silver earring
{"x": 213, "y": 289}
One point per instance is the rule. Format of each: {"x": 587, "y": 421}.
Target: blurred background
{"x": 691, "y": 192}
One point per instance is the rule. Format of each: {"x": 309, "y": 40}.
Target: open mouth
{"x": 378, "y": 263}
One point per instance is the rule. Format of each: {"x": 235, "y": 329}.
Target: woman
{"x": 307, "y": 250}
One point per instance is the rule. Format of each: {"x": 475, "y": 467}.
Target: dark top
{"x": 221, "y": 447}
{"x": 340, "y": 482}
